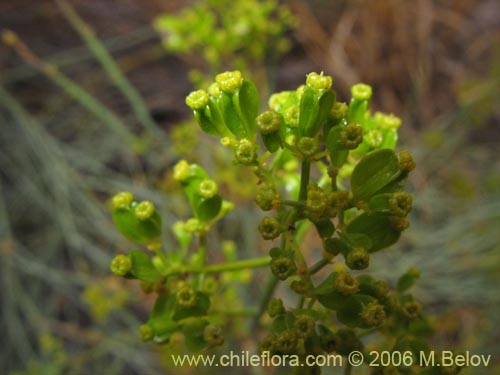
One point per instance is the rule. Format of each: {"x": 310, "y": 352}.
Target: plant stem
{"x": 291, "y": 203}
{"x": 202, "y": 253}
{"x": 237, "y": 265}
{"x": 304, "y": 179}
{"x": 318, "y": 266}
{"x": 266, "y": 296}
{"x": 109, "y": 65}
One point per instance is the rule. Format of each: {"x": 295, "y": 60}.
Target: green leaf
{"x": 327, "y": 286}
{"x": 377, "y": 227}
{"x": 248, "y": 102}
{"x": 216, "y": 117}
{"x": 309, "y": 109}
{"x": 205, "y": 122}
{"x": 380, "y": 203}
{"x": 143, "y": 268}
{"x": 138, "y": 231}
{"x": 282, "y": 323}
{"x": 272, "y": 142}
{"x": 356, "y": 240}
{"x": 325, "y": 107}
{"x": 335, "y": 147}
{"x": 325, "y": 228}
{"x": 193, "y": 334}
{"x": 199, "y": 309}
{"x": 376, "y": 170}
{"x": 231, "y": 119}
{"x": 407, "y": 280}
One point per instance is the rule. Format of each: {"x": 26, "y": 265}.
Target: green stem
{"x": 109, "y": 65}
{"x": 202, "y": 253}
{"x": 237, "y": 265}
{"x": 290, "y": 203}
{"x": 304, "y": 179}
{"x": 318, "y": 266}
{"x": 272, "y": 283}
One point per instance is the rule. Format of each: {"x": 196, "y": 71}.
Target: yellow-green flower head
{"x": 339, "y": 110}
{"x": 400, "y": 203}
{"x": 346, "y": 284}
{"x": 358, "y": 259}
{"x": 406, "y": 162}
{"x": 214, "y": 90}
{"x": 121, "y": 265}
{"x": 197, "y": 100}
{"x": 351, "y": 136}
{"x": 411, "y": 309}
{"x": 390, "y": 121}
{"x": 181, "y": 170}
{"x": 229, "y": 81}
{"x": 146, "y": 332}
{"x": 361, "y": 91}
{"x": 373, "y": 314}
{"x": 208, "y": 188}
{"x": 291, "y": 116}
{"x": 374, "y": 138}
{"x": 308, "y": 146}
{"x": 268, "y": 122}
{"x": 319, "y": 82}
{"x": 245, "y": 152}
{"x": 122, "y": 199}
{"x": 278, "y": 100}
{"x": 144, "y": 210}
{"x": 304, "y": 326}
{"x": 213, "y": 335}
{"x": 186, "y": 297}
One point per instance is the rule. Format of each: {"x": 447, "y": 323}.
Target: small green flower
{"x": 213, "y": 335}
{"x": 373, "y": 314}
{"x": 381, "y": 289}
{"x": 399, "y": 223}
{"x": 267, "y": 197}
{"x": 302, "y": 286}
{"x": 197, "y": 100}
{"x": 144, "y": 210}
{"x": 122, "y": 199}
{"x": 269, "y": 228}
{"x": 268, "y": 122}
{"x": 328, "y": 341}
{"x": 308, "y": 147}
{"x": 286, "y": 342}
{"x": 186, "y": 297}
{"x": 406, "y": 162}
{"x": 351, "y": 136}
{"x": 400, "y": 203}
{"x": 291, "y": 116}
{"x": 373, "y": 138}
{"x": 208, "y": 188}
{"x": 358, "y": 259}
{"x": 346, "y": 284}
{"x": 267, "y": 344}
{"x": 316, "y": 202}
{"x": 275, "y": 307}
{"x": 411, "y": 309}
{"x": 146, "y": 332}
{"x": 283, "y": 267}
{"x": 361, "y": 91}
{"x": 121, "y": 265}
{"x": 181, "y": 170}
{"x": 229, "y": 82}
{"x": 390, "y": 121}
{"x": 303, "y": 326}
{"x": 319, "y": 82}
{"x": 333, "y": 246}
{"x": 339, "y": 111}
{"x": 245, "y": 152}
{"x": 214, "y": 90}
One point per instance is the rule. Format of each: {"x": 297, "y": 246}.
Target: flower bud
{"x": 304, "y": 326}
{"x": 411, "y": 309}
{"x": 308, "y": 147}
{"x": 346, "y": 284}
{"x": 144, "y": 210}
{"x": 213, "y": 335}
{"x": 269, "y": 228}
{"x": 267, "y": 344}
{"x": 399, "y": 223}
{"x": 283, "y": 267}
{"x": 351, "y": 136}
{"x": 181, "y": 170}
{"x": 406, "y": 162}
{"x": 302, "y": 286}
{"x": 339, "y": 111}
{"x": 122, "y": 199}
{"x": 374, "y": 138}
{"x": 400, "y": 203}
{"x": 121, "y": 265}
{"x": 208, "y": 188}
{"x": 275, "y": 307}
{"x": 214, "y": 90}
{"x": 333, "y": 246}
{"x": 328, "y": 341}
{"x": 229, "y": 82}
{"x": 186, "y": 297}
{"x": 291, "y": 116}
{"x": 268, "y": 122}
{"x": 197, "y": 100}
{"x": 319, "y": 82}
{"x": 146, "y": 332}
{"x": 358, "y": 259}
{"x": 267, "y": 197}
{"x": 373, "y": 314}
{"x": 361, "y": 91}
{"x": 286, "y": 342}
{"x": 245, "y": 152}
{"x": 316, "y": 200}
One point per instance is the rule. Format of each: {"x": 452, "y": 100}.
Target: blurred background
{"x": 92, "y": 102}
